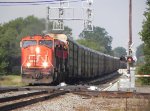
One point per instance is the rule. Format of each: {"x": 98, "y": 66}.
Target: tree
{"x": 145, "y": 33}
{"x": 139, "y": 51}
{"x": 98, "y": 39}
{"x": 7, "y": 46}
{"x": 140, "y": 54}
{"x": 119, "y": 51}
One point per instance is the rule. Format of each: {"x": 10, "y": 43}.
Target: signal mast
{"x": 61, "y": 11}
{"x": 130, "y": 60}
{"x": 129, "y": 56}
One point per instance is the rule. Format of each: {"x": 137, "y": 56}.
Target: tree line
{"x": 145, "y": 34}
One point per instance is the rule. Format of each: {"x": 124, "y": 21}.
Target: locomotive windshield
{"x": 48, "y": 43}
{"x": 27, "y": 43}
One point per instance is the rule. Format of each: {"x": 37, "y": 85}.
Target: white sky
{"x": 109, "y": 14}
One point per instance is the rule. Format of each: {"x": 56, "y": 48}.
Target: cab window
{"x": 48, "y": 43}
{"x": 28, "y": 43}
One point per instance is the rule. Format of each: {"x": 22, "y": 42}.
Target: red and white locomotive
{"x": 42, "y": 57}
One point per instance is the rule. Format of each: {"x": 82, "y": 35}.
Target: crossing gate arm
{"x": 142, "y": 75}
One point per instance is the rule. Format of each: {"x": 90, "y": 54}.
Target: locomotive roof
{"x": 61, "y": 37}
{"x": 33, "y": 37}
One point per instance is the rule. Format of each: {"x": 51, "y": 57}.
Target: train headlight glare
{"x": 45, "y": 64}
{"x": 28, "y": 64}
{"x": 37, "y": 50}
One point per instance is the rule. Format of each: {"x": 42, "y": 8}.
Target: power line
{"x": 30, "y": 2}
{"x": 35, "y": 2}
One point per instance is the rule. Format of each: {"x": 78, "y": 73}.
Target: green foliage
{"x": 144, "y": 70}
{"x": 98, "y": 40}
{"x": 139, "y": 51}
{"x": 10, "y": 36}
{"x": 140, "y": 54}
{"x": 145, "y": 33}
{"x": 119, "y": 51}
{"x": 11, "y": 80}
{"x": 3, "y": 66}
{"x": 91, "y": 44}
{"x": 67, "y": 31}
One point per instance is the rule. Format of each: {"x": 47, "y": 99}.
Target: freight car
{"x": 56, "y": 58}
{"x": 85, "y": 63}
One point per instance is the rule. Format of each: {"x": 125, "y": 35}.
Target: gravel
{"x": 72, "y": 102}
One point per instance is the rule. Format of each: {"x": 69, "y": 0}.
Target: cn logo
{"x": 37, "y": 58}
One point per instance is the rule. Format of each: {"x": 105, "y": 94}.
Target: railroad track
{"x": 105, "y": 79}
{"x": 38, "y": 94}
{"x": 21, "y": 100}
{"x": 26, "y": 88}
{"x": 7, "y": 89}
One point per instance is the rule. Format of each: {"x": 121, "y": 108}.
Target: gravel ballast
{"x": 72, "y": 102}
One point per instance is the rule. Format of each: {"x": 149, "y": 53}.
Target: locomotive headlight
{"x": 28, "y": 64}
{"x": 37, "y": 50}
{"x": 45, "y": 64}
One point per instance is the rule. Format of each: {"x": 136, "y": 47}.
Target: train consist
{"x": 55, "y": 58}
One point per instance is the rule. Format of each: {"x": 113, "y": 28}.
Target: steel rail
{"x": 31, "y": 100}
{"x": 16, "y": 97}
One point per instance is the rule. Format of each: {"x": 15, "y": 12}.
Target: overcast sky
{"x": 109, "y": 14}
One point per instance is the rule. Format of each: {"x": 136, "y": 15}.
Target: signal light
{"x": 130, "y": 59}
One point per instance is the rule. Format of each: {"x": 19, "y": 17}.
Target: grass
{"x": 11, "y": 80}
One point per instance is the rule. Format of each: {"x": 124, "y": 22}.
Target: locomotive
{"x": 56, "y": 58}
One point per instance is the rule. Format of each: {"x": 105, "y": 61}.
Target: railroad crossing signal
{"x": 130, "y": 59}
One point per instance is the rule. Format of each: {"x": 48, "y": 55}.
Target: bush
{"x": 144, "y": 70}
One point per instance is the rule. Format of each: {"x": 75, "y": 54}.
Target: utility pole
{"x": 130, "y": 35}
{"x": 130, "y": 53}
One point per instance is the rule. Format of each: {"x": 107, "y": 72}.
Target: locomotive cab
{"x": 37, "y": 59}
{"x": 43, "y": 58}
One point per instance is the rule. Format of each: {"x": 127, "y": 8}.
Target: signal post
{"x": 130, "y": 60}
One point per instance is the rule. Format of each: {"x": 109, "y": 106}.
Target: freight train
{"x": 56, "y": 58}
